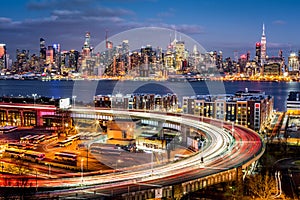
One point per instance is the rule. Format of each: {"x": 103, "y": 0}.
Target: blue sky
{"x": 222, "y": 25}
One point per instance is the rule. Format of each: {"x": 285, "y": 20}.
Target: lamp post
{"x": 152, "y": 162}
{"x": 81, "y": 170}
{"x": 66, "y": 129}
{"x": 87, "y": 156}
{"x": 36, "y": 185}
{"x": 73, "y": 100}
{"x": 34, "y": 97}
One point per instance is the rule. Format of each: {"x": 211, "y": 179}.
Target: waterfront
{"x": 84, "y": 90}
{"x": 87, "y": 88}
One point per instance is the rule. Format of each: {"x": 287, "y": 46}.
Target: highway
{"x": 224, "y": 150}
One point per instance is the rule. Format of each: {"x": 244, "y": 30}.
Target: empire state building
{"x": 263, "y": 46}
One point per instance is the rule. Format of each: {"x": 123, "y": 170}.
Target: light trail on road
{"x": 224, "y": 150}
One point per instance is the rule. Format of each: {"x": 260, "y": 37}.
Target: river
{"x": 84, "y": 90}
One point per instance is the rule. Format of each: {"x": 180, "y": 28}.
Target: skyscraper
{"x": 86, "y": 49}
{"x": 3, "y": 55}
{"x": 43, "y": 49}
{"x": 258, "y": 52}
{"x": 293, "y": 63}
{"x": 263, "y": 46}
{"x": 50, "y": 55}
{"x": 87, "y": 40}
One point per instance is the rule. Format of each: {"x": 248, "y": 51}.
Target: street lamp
{"x": 81, "y": 170}
{"x": 152, "y": 162}
{"x": 34, "y": 97}
{"x": 73, "y": 100}
{"x": 87, "y": 156}
{"x": 66, "y": 128}
{"x": 36, "y": 185}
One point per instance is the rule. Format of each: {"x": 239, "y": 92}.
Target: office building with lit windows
{"x": 28, "y": 111}
{"x": 293, "y": 103}
{"x": 257, "y": 52}
{"x": 293, "y": 64}
{"x": 249, "y": 108}
{"x": 168, "y": 102}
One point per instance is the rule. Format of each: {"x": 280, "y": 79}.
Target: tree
{"x": 18, "y": 184}
{"x": 234, "y": 191}
{"x": 263, "y": 187}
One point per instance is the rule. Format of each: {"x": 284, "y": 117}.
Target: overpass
{"x": 230, "y": 149}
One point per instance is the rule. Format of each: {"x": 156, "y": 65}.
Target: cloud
{"x": 38, "y": 5}
{"x": 109, "y": 12}
{"x": 189, "y": 29}
{"x": 277, "y": 45}
{"x": 67, "y": 25}
{"x": 5, "y": 20}
{"x": 50, "y": 4}
{"x": 104, "y": 19}
{"x": 95, "y": 13}
{"x": 184, "y": 28}
{"x": 65, "y": 12}
{"x": 279, "y": 22}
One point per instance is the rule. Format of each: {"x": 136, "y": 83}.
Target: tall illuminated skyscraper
{"x": 86, "y": 49}
{"x": 87, "y": 40}
{"x": 3, "y": 55}
{"x": 263, "y": 46}
{"x": 43, "y": 49}
{"x": 258, "y": 52}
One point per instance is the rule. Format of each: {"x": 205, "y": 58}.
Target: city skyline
{"x": 216, "y": 25}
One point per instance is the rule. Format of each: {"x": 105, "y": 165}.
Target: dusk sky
{"x": 222, "y": 25}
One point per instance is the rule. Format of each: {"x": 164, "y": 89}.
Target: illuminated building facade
{"x": 293, "y": 103}
{"x": 272, "y": 69}
{"x": 258, "y": 52}
{"x": 293, "y": 64}
{"x": 86, "y": 49}
{"x": 25, "y": 115}
{"x": 263, "y": 46}
{"x": 180, "y": 55}
{"x": 168, "y": 102}
{"x": 42, "y": 112}
{"x": 247, "y": 108}
{"x": 3, "y": 56}
{"x": 69, "y": 61}
{"x": 21, "y": 63}
{"x": 43, "y": 49}
{"x": 50, "y": 55}
{"x": 274, "y": 66}
{"x": 2, "y": 50}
